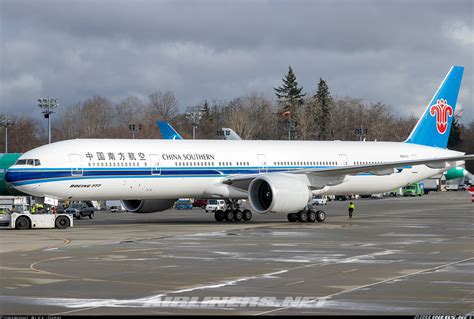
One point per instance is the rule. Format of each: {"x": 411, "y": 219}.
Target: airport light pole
{"x": 7, "y": 121}
{"x": 361, "y": 132}
{"x": 134, "y": 129}
{"x": 194, "y": 115}
{"x": 47, "y": 106}
{"x": 290, "y": 126}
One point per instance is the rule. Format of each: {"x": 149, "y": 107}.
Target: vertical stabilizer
{"x": 434, "y": 126}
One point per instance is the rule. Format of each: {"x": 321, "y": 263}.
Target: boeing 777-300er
{"x": 276, "y": 176}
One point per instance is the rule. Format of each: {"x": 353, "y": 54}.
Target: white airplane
{"x": 169, "y": 133}
{"x": 276, "y": 176}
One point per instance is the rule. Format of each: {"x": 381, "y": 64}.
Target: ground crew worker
{"x": 40, "y": 208}
{"x": 351, "y": 209}
{"x": 33, "y": 209}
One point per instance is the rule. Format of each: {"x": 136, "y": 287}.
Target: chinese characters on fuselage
{"x": 120, "y": 156}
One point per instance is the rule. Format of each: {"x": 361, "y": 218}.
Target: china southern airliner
{"x": 276, "y": 176}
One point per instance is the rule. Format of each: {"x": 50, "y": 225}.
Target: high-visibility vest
{"x": 352, "y": 206}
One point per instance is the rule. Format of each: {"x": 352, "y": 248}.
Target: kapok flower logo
{"x": 442, "y": 111}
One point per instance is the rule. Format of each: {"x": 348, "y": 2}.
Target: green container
{"x": 7, "y": 160}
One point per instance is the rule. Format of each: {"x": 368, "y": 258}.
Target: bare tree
{"x": 165, "y": 104}
{"x": 129, "y": 109}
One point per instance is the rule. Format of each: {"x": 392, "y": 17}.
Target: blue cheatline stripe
{"x": 79, "y": 178}
{"x": 30, "y": 176}
{"x": 34, "y": 176}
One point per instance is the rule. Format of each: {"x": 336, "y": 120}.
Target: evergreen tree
{"x": 455, "y": 139}
{"x": 323, "y": 101}
{"x": 205, "y": 109}
{"x": 206, "y": 124}
{"x": 290, "y": 98}
{"x": 289, "y": 94}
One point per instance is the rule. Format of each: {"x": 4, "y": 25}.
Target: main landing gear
{"x": 233, "y": 213}
{"x": 307, "y": 216}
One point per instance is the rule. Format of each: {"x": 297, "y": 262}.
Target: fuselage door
{"x": 76, "y": 164}
{"x": 343, "y": 159}
{"x": 262, "y": 163}
{"x": 155, "y": 164}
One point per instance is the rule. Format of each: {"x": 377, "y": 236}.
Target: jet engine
{"x": 148, "y": 205}
{"x": 278, "y": 193}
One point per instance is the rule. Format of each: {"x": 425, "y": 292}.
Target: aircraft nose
{"x": 12, "y": 176}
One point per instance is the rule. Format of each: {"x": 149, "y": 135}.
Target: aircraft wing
{"x": 336, "y": 174}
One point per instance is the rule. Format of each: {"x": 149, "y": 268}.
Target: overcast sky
{"x": 397, "y": 52}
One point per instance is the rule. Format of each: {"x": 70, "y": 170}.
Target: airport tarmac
{"x": 396, "y": 256}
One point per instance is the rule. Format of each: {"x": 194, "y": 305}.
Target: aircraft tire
{"x": 311, "y": 216}
{"x": 219, "y": 216}
{"x": 302, "y": 216}
{"x": 247, "y": 215}
{"x": 238, "y": 215}
{"x": 229, "y": 215}
{"x": 320, "y": 216}
{"x": 292, "y": 217}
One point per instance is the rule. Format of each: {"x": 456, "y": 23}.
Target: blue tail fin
{"x": 167, "y": 131}
{"x": 434, "y": 126}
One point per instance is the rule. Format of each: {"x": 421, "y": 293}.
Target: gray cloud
{"x": 394, "y": 51}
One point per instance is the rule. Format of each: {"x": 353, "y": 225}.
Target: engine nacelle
{"x": 147, "y": 205}
{"x": 278, "y": 193}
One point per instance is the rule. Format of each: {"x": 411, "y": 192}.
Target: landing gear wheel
{"x": 229, "y": 215}
{"x": 303, "y": 216}
{"x": 62, "y": 222}
{"x": 320, "y": 216}
{"x": 293, "y": 217}
{"x": 238, "y": 215}
{"x": 22, "y": 223}
{"x": 219, "y": 215}
{"x": 247, "y": 215}
{"x": 311, "y": 216}
{"x": 91, "y": 216}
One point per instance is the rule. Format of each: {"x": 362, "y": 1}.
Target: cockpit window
{"x": 32, "y": 162}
